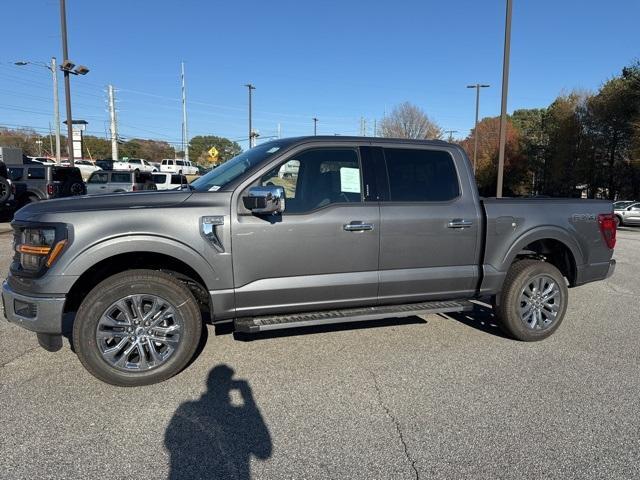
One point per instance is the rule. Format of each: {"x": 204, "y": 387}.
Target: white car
{"x": 87, "y": 167}
{"x": 134, "y": 164}
{"x": 175, "y": 165}
{"x": 169, "y": 181}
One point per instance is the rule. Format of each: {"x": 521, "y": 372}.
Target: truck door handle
{"x": 357, "y": 226}
{"x": 460, "y": 223}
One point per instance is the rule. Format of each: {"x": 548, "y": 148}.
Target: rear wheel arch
{"x": 553, "y": 246}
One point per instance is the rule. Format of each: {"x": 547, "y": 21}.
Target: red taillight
{"x": 607, "y": 224}
{"x": 134, "y": 188}
{"x": 50, "y": 188}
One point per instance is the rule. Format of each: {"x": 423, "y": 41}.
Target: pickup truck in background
{"x": 358, "y": 229}
{"x": 138, "y": 164}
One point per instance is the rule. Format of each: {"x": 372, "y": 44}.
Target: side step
{"x": 276, "y": 322}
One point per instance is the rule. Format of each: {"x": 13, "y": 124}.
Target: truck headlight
{"x": 38, "y": 248}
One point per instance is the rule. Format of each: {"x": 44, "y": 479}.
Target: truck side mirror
{"x": 268, "y": 200}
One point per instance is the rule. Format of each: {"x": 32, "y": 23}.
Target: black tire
{"x": 5, "y": 190}
{"x": 521, "y": 275}
{"x": 119, "y": 287}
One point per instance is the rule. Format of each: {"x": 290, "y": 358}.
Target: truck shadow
{"x": 481, "y": 318}
{"x": 217, "y": 435}
{"x": 334, "y": 327}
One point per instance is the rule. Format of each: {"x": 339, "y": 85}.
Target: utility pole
{"x": 279, "y": 130}
{"x": 251, "y": 135}
{"x": 56, "y": 106}
{"x": 315, "y": 126}
{"x": 451, "y": 132}
{"x": 477, "y": 86}
{"x": 505, "y": 90}
{"x": 67, "y": 82}
{"x": 185, "y": 129}
{"x": 375, "y": 127}
{"x": 114, "y": 125}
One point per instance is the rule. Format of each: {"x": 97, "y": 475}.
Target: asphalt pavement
{"x": 434, "y": 397}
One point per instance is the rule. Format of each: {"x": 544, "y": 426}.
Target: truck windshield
{"x": 230, "y": 170}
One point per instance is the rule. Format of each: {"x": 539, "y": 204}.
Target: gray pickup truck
{"x": 361, "y": 229}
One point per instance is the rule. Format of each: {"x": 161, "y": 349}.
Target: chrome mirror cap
{"x": 268, "y": 200}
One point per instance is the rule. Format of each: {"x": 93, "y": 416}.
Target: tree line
{"x": 96, "y": 148}
{"x": 582, "y": 144}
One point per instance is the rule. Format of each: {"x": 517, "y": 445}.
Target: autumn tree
{"x": 409, "y": 121}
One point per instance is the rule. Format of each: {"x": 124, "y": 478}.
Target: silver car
{"x": 115, "y": 181}
{"x": 628, "y": 214}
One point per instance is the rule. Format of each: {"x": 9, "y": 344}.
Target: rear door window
{"x": 159, "y": 177}
{"x": 421, "y": 175}
{"x": 178, "y": 179}
{"x": 121, "y": 177}
{"x": 35, "y": 173}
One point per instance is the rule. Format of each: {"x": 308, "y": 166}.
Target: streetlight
{"x": 56, "y": 104}
{"x": 68, "y": 68}
{"x": 251, "y": 134}
{"x": 315, "y": 125}
{"x": 477, "y": 86}
{"x": 505, "y": 90}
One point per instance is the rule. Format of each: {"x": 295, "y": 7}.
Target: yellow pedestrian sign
{"x": 213, "y": 153}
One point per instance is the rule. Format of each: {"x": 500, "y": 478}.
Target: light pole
{"x": 68, "y": 68}
{"x": 56, "y": 104}
{"x": 477, "y": 86}
{"x": 505, "y": 90}
{"x": 251, "y": 134}
{"x": 315, "y": 126}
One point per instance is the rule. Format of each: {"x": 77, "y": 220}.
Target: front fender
{"x": 127, "y": 243}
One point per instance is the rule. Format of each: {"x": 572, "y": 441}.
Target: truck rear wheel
{"x": 533, "y": 301}
{"x": 137, "y": 327}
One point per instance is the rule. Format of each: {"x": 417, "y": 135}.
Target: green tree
{"x": 200, "y": 145}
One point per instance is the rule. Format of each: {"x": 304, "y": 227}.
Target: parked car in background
{"x": 155, "y": 165}
{"x": 621, "y": 204}
{"x": 7, "y": 203}
{"x": 105, "y": 164}
{"x": 34, "y": 182}
{"x": 116, "y": 181}
{"x": 169, "y": 181}
{"x": 628, "y": 214}
{"x": 175, "y": 165}
{"x": 134, "y": 164}
{"x": 87, "y": 167}
{"x": 43, "y": 160}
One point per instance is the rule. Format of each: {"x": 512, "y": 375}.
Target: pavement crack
{"x": 396, "y": 424}
{"x": 26, "y": 352}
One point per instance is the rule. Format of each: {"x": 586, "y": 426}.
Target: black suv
{"x": 34, "y": 182}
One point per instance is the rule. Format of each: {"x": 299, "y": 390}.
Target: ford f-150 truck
{"x": 363, "y": 229}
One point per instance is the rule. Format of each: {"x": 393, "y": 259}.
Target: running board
{"x": 276, "y": 322}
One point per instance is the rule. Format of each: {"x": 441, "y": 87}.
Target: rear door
{"x": 322, "y": 252}
{"x": 632, "y": 214}
{"x": 429, "y": 226}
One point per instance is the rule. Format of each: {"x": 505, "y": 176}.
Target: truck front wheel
{"x": 533, "y": 300}
{"x": 137, "y": 328}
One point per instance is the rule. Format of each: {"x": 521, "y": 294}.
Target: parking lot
{"x": 433, "y": 397}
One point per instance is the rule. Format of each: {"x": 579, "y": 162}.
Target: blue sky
{"x": 334, "y": 60}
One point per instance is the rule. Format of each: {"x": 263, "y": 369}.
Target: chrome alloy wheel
{"x": 139, "y": 332}
{"x": 540, "y": 302}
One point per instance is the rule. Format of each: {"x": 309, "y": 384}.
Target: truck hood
{"x": 114, "y": 201}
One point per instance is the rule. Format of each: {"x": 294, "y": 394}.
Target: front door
{"x": 430, "y": 224}
{"x": 322, "y": 252}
